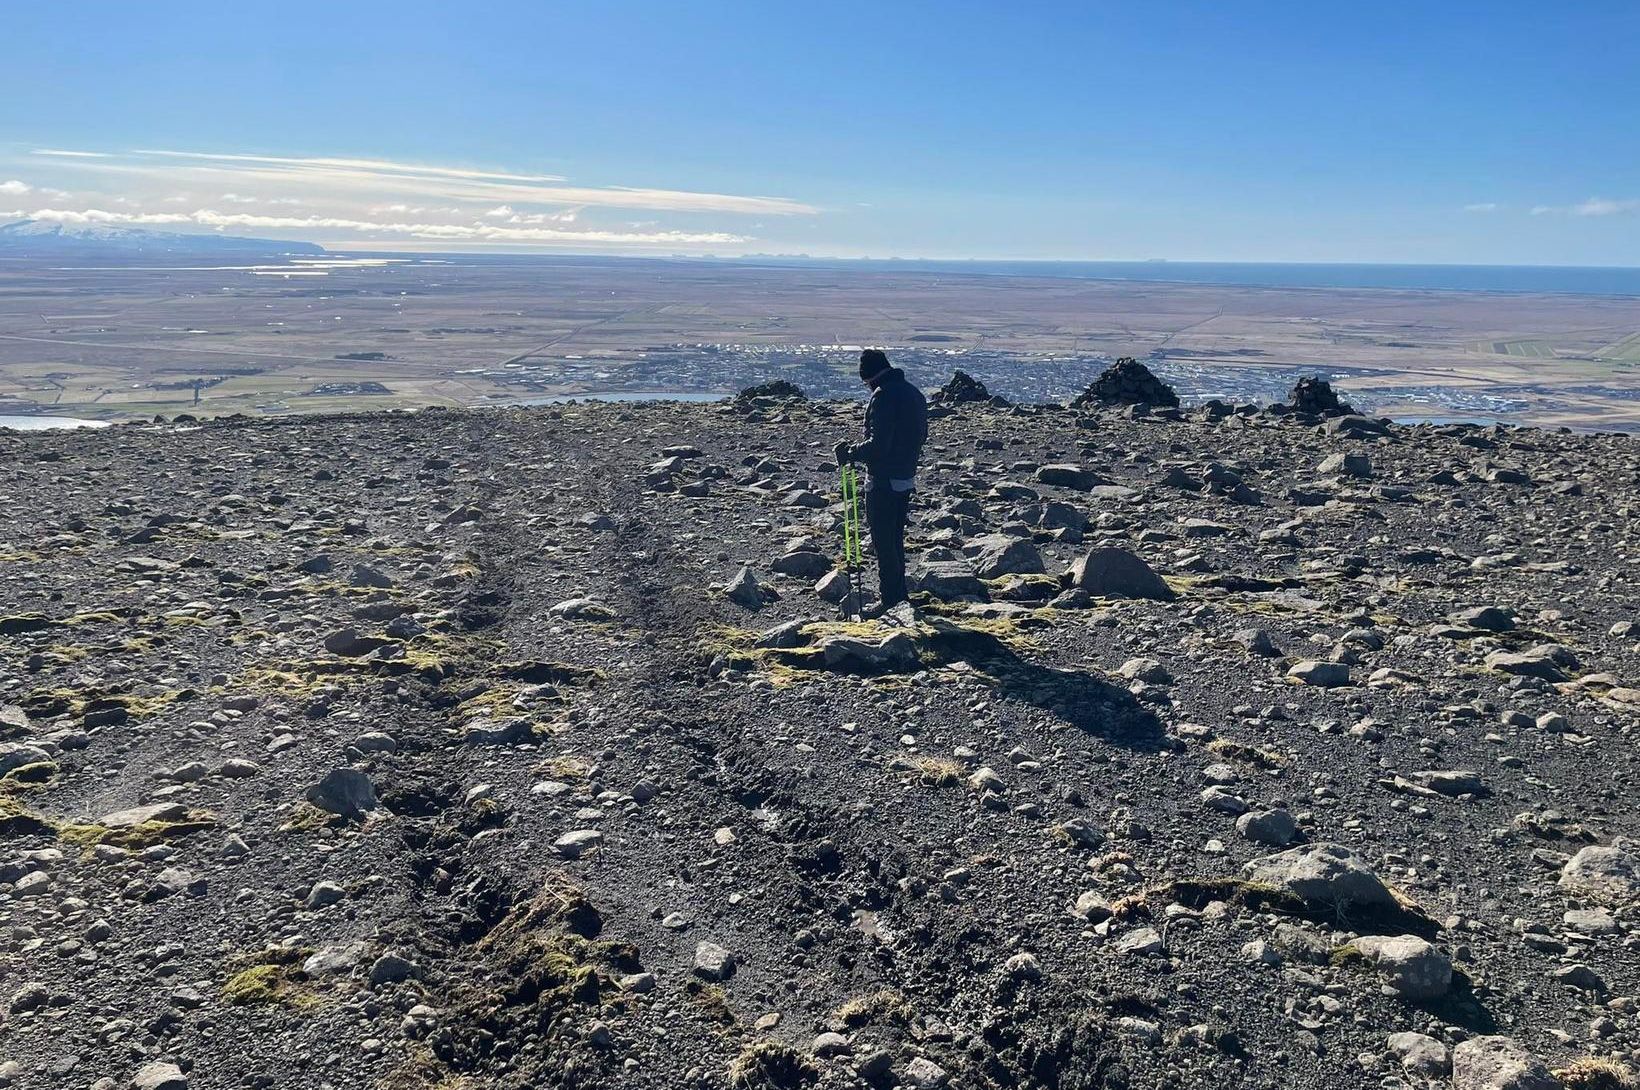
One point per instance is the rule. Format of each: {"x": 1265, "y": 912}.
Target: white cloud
{"x": 14, "y": 187}
{"x": 1600, "y": 206}
{"x": 1483, "y": 206}
{"x": 384, "y": 166}
{"x": 475, "y": 232}
{"x": 1594, "y": 206}
{"x": 372, "y": 178}
{"x": 365, "y": 200}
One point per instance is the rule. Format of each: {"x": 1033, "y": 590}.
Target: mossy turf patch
{"x": 136, "y": 837}
{"x": 770, "y": 1065}
{"x": 271, "y": 977}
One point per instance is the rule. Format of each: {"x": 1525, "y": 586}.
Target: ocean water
{"x": 1553, "y": 279}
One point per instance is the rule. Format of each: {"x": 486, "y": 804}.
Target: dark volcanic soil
{"x": 467, "y": 773}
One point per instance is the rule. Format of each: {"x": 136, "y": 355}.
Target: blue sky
{"x": 1493, "y": 132}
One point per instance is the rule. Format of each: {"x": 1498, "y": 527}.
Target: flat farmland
{"x": 130, "y": 342}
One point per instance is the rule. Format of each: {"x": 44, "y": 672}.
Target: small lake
{"x": 42, "y": 423}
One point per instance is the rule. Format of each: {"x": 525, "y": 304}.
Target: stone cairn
{"x": 779, "y": 388}
{"x": 964, "y": 388}
{"x": 1127, "y": 382}
{"x": 1315, "y": 397}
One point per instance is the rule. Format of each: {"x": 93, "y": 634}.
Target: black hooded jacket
{"x": 896, "y": 426}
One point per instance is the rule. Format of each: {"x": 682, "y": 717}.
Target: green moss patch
{"x": 137, "y": 837}
{"x": 271, "y": 977}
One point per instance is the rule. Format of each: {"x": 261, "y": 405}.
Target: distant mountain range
{"x": 28, "y": 237}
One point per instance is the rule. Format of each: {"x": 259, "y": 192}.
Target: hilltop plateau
{"x": 1228, "y": 747}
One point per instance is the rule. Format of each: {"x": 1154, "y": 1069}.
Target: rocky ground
{"x": 527, "y": 749}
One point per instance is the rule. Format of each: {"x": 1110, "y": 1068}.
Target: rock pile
{"x": 779, "y": 389}
{"x": 963, "y": 388}
{"x": 1127, "y": 382}
{"x": 1313, "y": 396}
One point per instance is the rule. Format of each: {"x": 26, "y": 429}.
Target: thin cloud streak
{"x": 377, "y": 165}
{"x": 434, "y": 231}
{"x": 433, "y": 183}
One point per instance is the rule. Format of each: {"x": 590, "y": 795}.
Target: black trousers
{"x": 885, "y": 516}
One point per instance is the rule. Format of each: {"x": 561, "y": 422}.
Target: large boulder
{"x": 948, "y": 580}
{"x": 1109, "y": 572}
{"x": 1325, "y": 875}
{"x": 1127, "y": 382}
{"x": 345, "y": 792}
{"x": 1498, "y": 1063}
{"x": 1068, "y": 475}
{"x": 1549, "y": 661}
{"x": 996, "y": 555}
{"x": 1605, "y": 874}
{"x": 891, "y": 654}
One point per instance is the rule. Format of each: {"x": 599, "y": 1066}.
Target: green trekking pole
{"x": 851, "y": 535}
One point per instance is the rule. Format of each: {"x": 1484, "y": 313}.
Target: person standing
{"x": 896, "y": 427}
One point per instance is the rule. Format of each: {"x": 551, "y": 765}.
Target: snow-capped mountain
{"x": 39, "y": 237}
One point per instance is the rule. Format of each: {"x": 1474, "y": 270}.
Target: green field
{"x": 1626, "y": 349}
{"x": 1541, "y": 350}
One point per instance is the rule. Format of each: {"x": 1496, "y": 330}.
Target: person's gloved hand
{"x": 843, "y": 452}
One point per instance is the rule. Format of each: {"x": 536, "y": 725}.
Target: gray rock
{"x": 1498, "y": 1063}
{"x": 1346, "y": 465}
{"x": 830, "y": 1044}
{"x": 713, "y": 962}
{"x": 1275, "y": 827}
{"x": 1412, "y": 968}
{"x": 1330, "y": 875}
{"x": 924, "y": 1074}
{"x": 949, "y": 580}
{"x": 1548, "y": 661}
{"x": 1325, "y": 675}
{"x": 1486, "y": 618}
{"x": 346, "y": 792}
{"x": 996, "y": 555}
{"x": 893, "y": 653}
{"x": 1258, "y": 642}
{"x": 1603, "y": 874}
{"x": 325, "y": 893}
{"x": 1420, "y": 1053}
{"x": 159, "y": 1076}
{"x": 745, "y": 590}
{"x": 333, "y": 960}
{"x": 1068, "y": 476}
{"x": 14, "y": 755}
{"x": 1109, "y": 572}
{"x": 392, "y": 968}
{"x": 802, "y": 564}
{"x": 577, "y": 842}
{"x": 142, "y": 815}
{"x": 1140, "y": 942}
